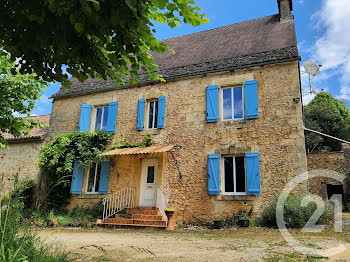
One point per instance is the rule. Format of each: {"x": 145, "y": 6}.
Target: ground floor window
{"x": 234, "y": 175}
{"x": 93, "y": 181}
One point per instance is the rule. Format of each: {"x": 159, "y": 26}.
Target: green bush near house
{"x": 17, "y": 241}
{"x": 295, "y": 216}
{"x": 22, "y": 192}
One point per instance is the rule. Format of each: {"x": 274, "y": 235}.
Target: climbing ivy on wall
{"x": 147, "y": 141}
{"x": 57, "y": 158}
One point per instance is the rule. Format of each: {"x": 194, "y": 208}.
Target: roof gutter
{"x": 22, "y": 139}
{"x": 172, "y": 78}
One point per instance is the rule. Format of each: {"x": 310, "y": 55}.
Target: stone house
{"x": 226, "y": 125}
{"x": 21, "y": 156}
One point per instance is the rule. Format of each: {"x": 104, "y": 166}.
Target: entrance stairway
{"x": 137, "y": 217}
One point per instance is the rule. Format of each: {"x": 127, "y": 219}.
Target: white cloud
{"x": 332, "y": 47}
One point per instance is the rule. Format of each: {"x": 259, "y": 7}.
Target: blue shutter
{"x": 214, "y": 174}
{"x": 212, "y": 103}
{"x": 161, "y": 112}
{"x": 84, "y": 120}
{"x": 253, "y": 173}
{"x": 251, "y": 99}
{"x": 77, "y": 178}
{"x": 104, "y": 177}
{"x": 140, "y": 114}
{"x": 112, "y": 117}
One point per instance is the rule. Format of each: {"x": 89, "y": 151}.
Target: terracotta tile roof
{"x": 254, "y": 42}
{"x": 35, "y": 133}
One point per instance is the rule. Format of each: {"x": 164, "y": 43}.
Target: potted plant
{"x": 171, "y": 226}
{"x": 243, "y": 221}
{"x": 218, "y": 223}
{"x": 54, "y": 222}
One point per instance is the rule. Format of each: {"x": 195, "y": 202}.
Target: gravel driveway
{"x": 252, "y": 244}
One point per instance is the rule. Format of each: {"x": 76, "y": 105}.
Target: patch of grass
{"x": 279, "y": 244}
{"x": 100, "y": 258}
{"x": 288, "y": 257}
{"x": 315, "y": 257}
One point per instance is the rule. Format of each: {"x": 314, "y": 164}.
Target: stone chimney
{"x": 285, "y": 8}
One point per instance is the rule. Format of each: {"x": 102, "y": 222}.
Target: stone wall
{"x": 20, "y": 159}
{"x": 333, "y": 161}
{"x": 277, "y": 135}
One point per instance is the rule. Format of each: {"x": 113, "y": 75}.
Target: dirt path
{"x": 253, "y": 244}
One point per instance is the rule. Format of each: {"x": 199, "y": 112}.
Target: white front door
{"x": 148, "y": 190}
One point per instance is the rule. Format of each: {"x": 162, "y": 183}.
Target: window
{"x": 153, "y": 114}
{"x": 232, "y": 103}
{"x": 101, "y": 118}
{"x": 93, "y": 182}
{"x": 150, "y": 175}
{"x": 234, "y": 175}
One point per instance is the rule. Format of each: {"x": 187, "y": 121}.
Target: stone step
{"x": 144, "y": 222}
{"x": 146, "y": 217}
{"x": 143, "y": 212}
{"x": 131, "y": 225}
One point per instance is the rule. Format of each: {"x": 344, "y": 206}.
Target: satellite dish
{"x": 311, "y": 68}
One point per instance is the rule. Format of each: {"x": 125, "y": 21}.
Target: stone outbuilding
{"x": 21, "y": 156}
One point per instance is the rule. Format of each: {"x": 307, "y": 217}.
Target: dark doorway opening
{"x": 335, "y": 189}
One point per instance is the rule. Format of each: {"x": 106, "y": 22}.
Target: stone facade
{"x": 20, "y": 159}
{"x": 277, "y": 135}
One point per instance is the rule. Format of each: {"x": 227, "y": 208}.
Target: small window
{"x": 101, "y": 118}
{"x": 150, "y": 175}
{"x": 232, "y": 103}
{"x": 93, "y": 182}
{"x": 234, "y": 175}
{"x": 152, "y": 114}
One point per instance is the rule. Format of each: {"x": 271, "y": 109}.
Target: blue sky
{"x": 323, "y": 33}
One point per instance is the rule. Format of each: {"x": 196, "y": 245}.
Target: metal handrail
{"x": 118, "y": 201}
{"x": 162, "y": 202}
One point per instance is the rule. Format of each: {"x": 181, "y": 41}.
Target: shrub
{"x": 22, "y": 192}
{"x": 17, "y": 242}
{"x": 295, "y": 216}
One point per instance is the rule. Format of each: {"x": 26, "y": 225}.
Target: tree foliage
{"x": 18, "y": 93}
{"x": 327, "y": 115}
{"x": 57, "y": 158}
{"x": 94, "y": 38}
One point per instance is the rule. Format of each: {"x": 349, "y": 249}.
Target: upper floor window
{"x": 232, "y": 103}
{"x": 234, "y": 175}
{"x": 153, "y": 114}
{"x": 101, "y": 118}
{"x": 93, "y": 181}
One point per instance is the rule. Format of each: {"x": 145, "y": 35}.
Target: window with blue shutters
{"x": 155, "y": 114}
{"x": 214, "y": 174}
